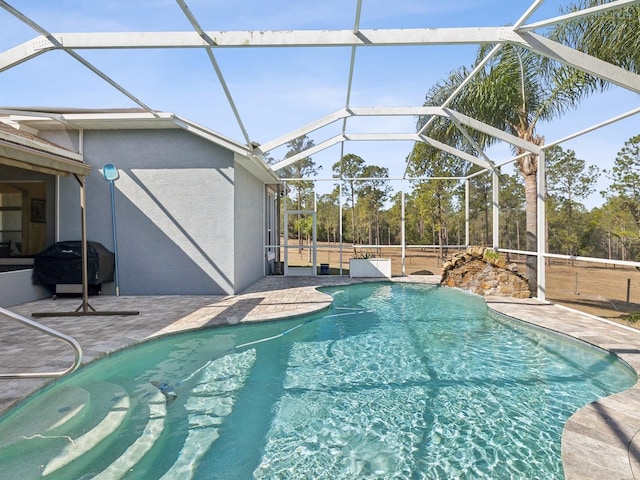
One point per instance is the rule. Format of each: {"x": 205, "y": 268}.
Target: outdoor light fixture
{"x": 110, "y": 173}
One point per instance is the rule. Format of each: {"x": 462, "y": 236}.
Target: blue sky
{"x": 279, "y": 90}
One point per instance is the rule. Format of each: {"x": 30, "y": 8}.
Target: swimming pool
{"x": 395, "y": 381}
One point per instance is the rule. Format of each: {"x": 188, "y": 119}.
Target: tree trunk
{"x": 528, "y": 166}
{"x": 531, "y": 199}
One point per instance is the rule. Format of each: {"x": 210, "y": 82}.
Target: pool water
{"x": 395, "y": 381}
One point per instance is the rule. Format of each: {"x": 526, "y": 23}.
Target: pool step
{"x": 119, "y": 402}
{"x": 138, "y": 449}
{"x": 211, "y": 400}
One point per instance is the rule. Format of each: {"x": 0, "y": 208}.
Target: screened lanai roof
{"x": 352, "y": 75}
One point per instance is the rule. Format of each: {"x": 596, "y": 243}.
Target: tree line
{"x": 435, "y": 209}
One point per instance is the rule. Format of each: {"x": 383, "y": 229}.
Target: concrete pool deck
{"x": 600, "y": 441}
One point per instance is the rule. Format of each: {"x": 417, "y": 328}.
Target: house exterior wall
{"x": 249, "y": 229}
{"x": 174, "y": 210}
{"x": 17, "y": 287}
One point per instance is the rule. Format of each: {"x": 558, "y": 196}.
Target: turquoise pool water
{"x": 396, "y": 381}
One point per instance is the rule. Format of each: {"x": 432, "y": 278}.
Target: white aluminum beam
{"x": 352, "y": 61}
{"x": 346, "y": 113}
{"x": 494, "y": 132}
{"x": 541, "y": 224}
{"x": 530, "y": 11}
{"x": 23, "y": 52}
{"x": 372, "y": 137}
{"x": 495, "y": 209}
{"x": 454, "y": 151}
{"x": 575, "y": 15}
{"x": 403, "y": 237}
{"x": 582, "y": 61}
{"x": 615, "y": 119}
{"x": 308, "y": 152}
{"x": 342, "y": 138}
{"x": 288, "y": 38}
{"x": 361, "y": 179}
{"x": 382, "y": 111}
{"x": 470, "y": 139}
{"x": 249, "y": 38}
{"x": 467, "y": 210}
{"x": 394, "y": 111}
{"x": 310, "y": 127}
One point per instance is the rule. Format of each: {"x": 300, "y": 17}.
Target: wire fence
{"x": 607, "y": 290}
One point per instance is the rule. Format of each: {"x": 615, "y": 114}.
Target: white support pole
{"x": 541, "y": 224}
{"x": 340, "y": 222}
{"x": 467, "y": 219}
{"x": 402, "y": 228}
{"x": 314, "y": 233}
{"x": 285, "y": 226}
{"x": 496, "y": 209}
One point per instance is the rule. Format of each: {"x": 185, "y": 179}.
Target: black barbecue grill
{"x": 61, "y": 264}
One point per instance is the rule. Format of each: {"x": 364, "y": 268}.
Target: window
{"x": 23, "y": 229}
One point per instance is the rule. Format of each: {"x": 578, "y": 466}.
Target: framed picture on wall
{"x": 38, "y": 210}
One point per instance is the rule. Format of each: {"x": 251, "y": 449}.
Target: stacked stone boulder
{"x": 485, "y": 272}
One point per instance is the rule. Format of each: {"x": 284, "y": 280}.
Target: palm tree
{"x": 611, "y": 36}
{"x": 514, "y": 91}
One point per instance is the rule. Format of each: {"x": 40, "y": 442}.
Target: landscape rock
{"x": 485, "y": 272}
